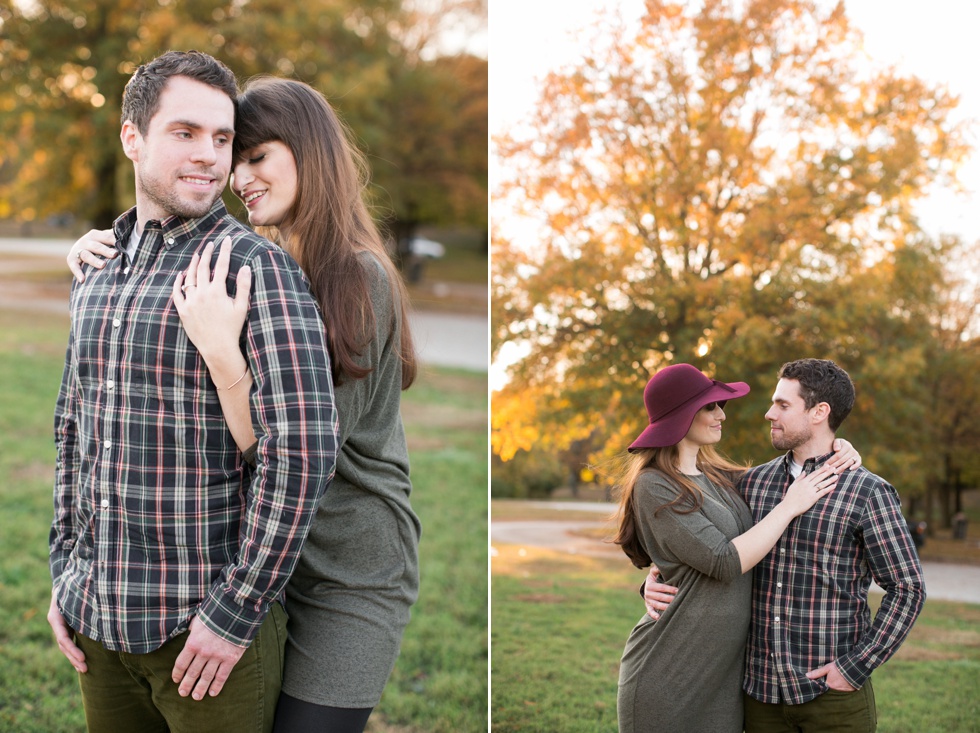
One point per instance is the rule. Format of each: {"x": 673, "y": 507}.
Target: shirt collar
{"x": 174, "y": 228}
{"x": 809, "y": 464}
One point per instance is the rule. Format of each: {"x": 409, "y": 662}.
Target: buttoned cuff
{"x": 58, "y": 561}
{"x": 230, "y": 620}
{"x": 855, "y": 673}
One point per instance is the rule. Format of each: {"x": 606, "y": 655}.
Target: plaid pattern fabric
{"x": 156, "y": 518}
{"x": 809, "y": 597}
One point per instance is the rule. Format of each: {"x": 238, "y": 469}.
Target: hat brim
{"x": 670, "y": 429}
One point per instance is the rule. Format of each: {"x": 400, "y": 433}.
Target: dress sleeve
{"x": 690, "y": 539}
{"x": 355, "y": 396}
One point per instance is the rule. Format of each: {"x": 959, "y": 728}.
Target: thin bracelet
{"x": 233, "y": 384}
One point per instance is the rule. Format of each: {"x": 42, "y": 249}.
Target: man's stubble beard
{"x": 167, "y": 199}
{"x": 790, "y": 441}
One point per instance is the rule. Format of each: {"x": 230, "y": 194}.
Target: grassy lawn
{"x": 440, "y": 682}
{"x": 466, "y": 258}
{"x": 559, "y": 625}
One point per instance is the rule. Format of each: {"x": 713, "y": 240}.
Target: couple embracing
{"x": 204, "y": 412}
{"x": 765, "y": 571}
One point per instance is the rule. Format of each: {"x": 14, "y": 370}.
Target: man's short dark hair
{"x": 821, "y": 380}
{"x": 141, "y": 99}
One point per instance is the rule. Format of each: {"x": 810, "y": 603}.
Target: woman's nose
{"x": 241, "y": 176}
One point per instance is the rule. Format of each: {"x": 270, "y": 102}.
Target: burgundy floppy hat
{"x": 673, "y": 396}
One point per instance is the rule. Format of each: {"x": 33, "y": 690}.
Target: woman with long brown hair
{"x": 302, "y": 182}
{"x": 679, "y": 510}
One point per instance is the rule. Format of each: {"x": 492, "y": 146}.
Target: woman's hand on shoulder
{"x": 93, "y": 248}
{"x": 212, "y": 319}
{"x": 809, "y": 488}
{"x": 846, "y": 456}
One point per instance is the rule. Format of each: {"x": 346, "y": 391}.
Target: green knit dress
{"x": 349, "y": 598}
{"x": 684, "y": 671}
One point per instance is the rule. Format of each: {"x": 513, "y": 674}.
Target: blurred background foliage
{"x": 399, "y": 74}
{"x": 733, "y": 185}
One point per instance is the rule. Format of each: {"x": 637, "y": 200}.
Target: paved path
{"x": 45, "y": 247}
{"x": 454, "y": 340}
{"x": 554, "y": 535}
{"x": 443, "y": 339}
{"x": 944, "y": 581}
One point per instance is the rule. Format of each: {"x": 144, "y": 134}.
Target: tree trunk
{"x": 930, "y": 512}
{"x": 957, "y": 492}
{"x": 105, "y": 210}
{"x": 573, "y": 481}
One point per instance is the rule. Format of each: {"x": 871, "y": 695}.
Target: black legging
{"x": 297, "y": 716}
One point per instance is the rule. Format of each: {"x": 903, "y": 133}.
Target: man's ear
{"x": 132, "y": 141}
{"x": 820, "y": 413}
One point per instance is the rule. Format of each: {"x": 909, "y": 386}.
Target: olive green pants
{"x": 832, "y": 712}
{"x": 135, "y": 692}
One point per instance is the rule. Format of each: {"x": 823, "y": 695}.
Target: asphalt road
{"x": 443, "y": 339}
{"x": 944, "y": 581}
{"x": 454, "y": 340}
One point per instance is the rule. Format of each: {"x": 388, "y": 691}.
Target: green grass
{"x": 440, "y": 681}
{"x": 560, "y": 624}
{"x": 38, "y": 688}
{"x": 465, "y": 260}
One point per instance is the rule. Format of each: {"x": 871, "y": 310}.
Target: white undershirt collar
{"x": 133, "y": 244}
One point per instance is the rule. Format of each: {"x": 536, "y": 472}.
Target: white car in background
{"x": 421, "y": 247}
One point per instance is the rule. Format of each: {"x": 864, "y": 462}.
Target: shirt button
{"x": 777, "y": 619}
{"x": 108, "y": 444}
{"x": 782, "y": 551}
{"x": 125, "y": 271}
{"x": 779, "y": 585}
{"x": 105, "y": 503}
{"x": 110, "y": 384}
{"x": 170, "y": 240}
{"x": 116, "y": 323}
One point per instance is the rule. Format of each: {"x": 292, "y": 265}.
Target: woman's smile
{"x": 265, "y": 179}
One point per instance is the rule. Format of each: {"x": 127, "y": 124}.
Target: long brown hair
{"x": 328, "y": 224}
{"x": 719, "y": 470}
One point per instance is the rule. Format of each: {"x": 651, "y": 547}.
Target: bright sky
{"x": 936, "y": 40}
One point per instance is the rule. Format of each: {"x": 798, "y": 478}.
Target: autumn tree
{"x": 430, "y": 162}
{"x": 64, "y": 64}
{"x": 951, "y": 419}
{"x": 63, "y": 68}
{"x": 730, "y": 187}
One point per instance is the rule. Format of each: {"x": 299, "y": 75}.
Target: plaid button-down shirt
{"x": 156, "y": 519}
{"x": 809, "y": 597}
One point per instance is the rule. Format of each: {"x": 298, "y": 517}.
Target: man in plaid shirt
{"x": 168, "y": 554}
{"x": 812, "y": 644}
